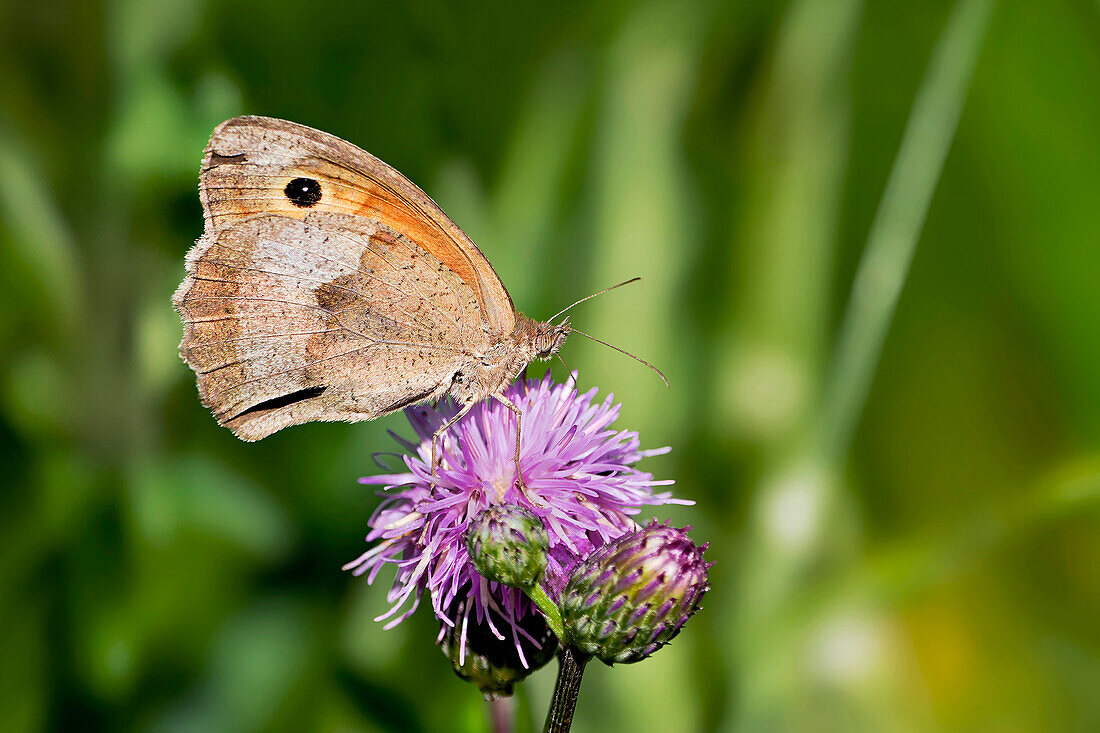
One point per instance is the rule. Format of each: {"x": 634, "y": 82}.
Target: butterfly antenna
{"x": 658, "y": 372}
{"x": 590, "y": 297}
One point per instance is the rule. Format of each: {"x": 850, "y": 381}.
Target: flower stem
{"x": 501, "y": 714}
{"x": 548, "y": 607}
{"x": 559, "y": 719}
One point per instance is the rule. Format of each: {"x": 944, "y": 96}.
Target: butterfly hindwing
{"x": 329, "y": 317}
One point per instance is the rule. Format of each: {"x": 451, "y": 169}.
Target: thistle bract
{"x": 483, "y": 656}
{"x": 508, "y": 545}
{"x": 630, "y": 597}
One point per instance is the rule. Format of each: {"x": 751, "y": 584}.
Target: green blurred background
{"x": 903, "y": 502}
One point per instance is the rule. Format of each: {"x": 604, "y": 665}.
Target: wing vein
{"x": 346, "y": 266}
{"x": 356, "y": 293}
{"x": 315, "y": 362}
{"x": 380, "y": 252}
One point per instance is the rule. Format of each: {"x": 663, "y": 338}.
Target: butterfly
{"x": 327, "y": 286}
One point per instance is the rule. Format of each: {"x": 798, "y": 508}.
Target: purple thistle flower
{"x": 581, "y": 484}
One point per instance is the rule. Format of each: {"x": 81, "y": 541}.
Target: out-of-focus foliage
{"x": 904, "y": 503}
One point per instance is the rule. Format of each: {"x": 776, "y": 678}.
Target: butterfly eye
{"x": 303, "y": 192}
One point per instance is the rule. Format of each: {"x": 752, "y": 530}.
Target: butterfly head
{"x": 549, "y": 338}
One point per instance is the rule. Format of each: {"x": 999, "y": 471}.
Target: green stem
{"x": 548, "y": 607}
{"x": 559, "y": 719}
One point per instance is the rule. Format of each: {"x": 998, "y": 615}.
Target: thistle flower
{"x": 633, "y": 595}
{"x": 580, "y": 482}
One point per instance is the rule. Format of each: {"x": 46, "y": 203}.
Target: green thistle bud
{"x": 633, "y": 595}
{"x": 508, "y": 544}
{"x": 494, "y": 664}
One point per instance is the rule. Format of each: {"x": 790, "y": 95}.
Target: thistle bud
{"x": 630, "y": 597}
{"x": 495, "y": 665}
{"x": 508, "y": 544}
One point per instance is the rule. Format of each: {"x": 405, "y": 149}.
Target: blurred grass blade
{"x": 526, "y": 202}
{"x": 40, "y": 252}
{"x": 800, "y": 517}
{"x": 795, "y": 155}
{"x": 933, "y": 556}
{"x": 899, "y": 220}
{"x": 641, "y": 226}
{"x": 796, "y": 149}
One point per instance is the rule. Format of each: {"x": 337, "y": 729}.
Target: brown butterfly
{"x": 327, "y": 286}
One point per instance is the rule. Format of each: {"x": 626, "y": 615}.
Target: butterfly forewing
{"x": 251, "y": 161}
{"x": 332, "y": 317}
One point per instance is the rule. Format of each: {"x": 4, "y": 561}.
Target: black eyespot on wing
{"x": 303, "y": 192}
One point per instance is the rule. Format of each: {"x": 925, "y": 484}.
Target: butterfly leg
{"x": 499, "y": 397}
{"x": 442, "y": 429}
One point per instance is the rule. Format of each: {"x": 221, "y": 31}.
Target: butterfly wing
{"x": 328, "y": 317}
{"x": 251, "y": 161}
